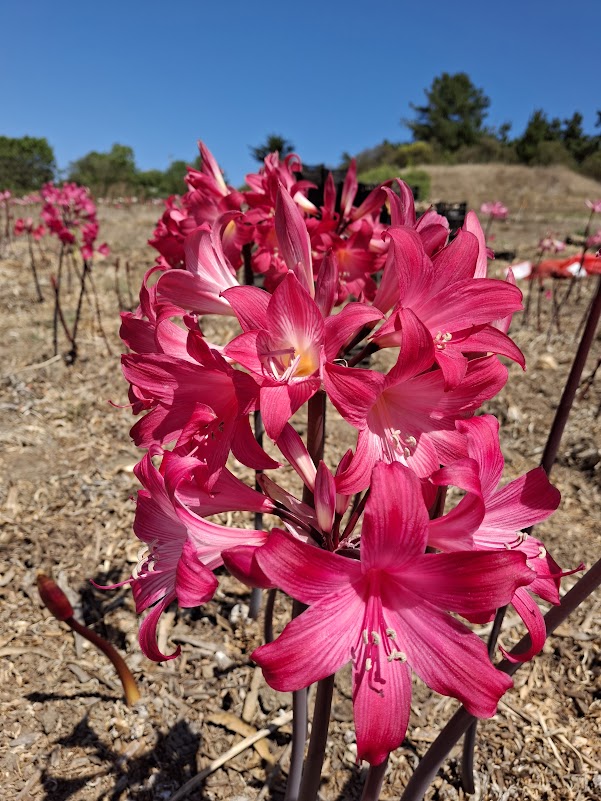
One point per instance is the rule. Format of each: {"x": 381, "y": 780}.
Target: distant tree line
{"x": 450, "y": 128}
{"x": 26, "y": 163}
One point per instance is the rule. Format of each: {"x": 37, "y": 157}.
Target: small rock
{"x": 223, "y": 661}
{"x": 546, "y": 361}
{"x": 239, "y": 614}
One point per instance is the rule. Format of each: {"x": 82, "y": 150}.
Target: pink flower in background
{"x": 594, "y": 240}
{"x": 495, "y": 209}
{"x": 550, "y": 244}
{"x": 387, "y": 613}
{"x": 594, "y": 206}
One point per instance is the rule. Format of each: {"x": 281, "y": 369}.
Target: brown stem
{"x": 99, "y": 317}
{"x": 73, "y": 351}
{"x": 34, "y": 271}
{"x": 57, "y": 289}
{"x": 318, "y": 740}
{"x": 58, "y": 310}
{"x": 375, "y": 779}
{"x": 130, "y": 688}
{"x": 577, "y": 275}
{"x": 128, "y": 281}
{"x": 571, "y": 387}
{"x": 120, "y": 302}
{"x": 316, "y": 428}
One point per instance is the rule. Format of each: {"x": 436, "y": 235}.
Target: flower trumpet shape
{"x": 387, "y": 613}
{"x": 281, "y": 346}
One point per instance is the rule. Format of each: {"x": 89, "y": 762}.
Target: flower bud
{"x": 54, "y": 598}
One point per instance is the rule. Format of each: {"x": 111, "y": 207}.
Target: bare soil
{"x": 66, "y": 485}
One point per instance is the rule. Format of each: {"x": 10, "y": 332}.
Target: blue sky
{"x": 331, "y": 76}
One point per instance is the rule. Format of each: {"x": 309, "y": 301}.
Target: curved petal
{"x": 148, "y": 632}
{"x": 242, "y": 564}
{"x": 523, "y": 502}
{"x": 467, "y": 582}
{"x": 306, "y": 572}
{"x": 483, "y": 446}
{"x": 526, "y": 607}
{"x": 447, "y": 656}
{"x": 194, "y": 583}
{"x": 279, "y": 402}
{"x": 381, "y": 706}
{"x": 315, "y": 644}
{"x": 395, "y": 524}
{"x": 250, "y": 305}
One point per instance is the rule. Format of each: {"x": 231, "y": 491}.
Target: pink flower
{"x": 553, "y": 245}
{"x": 183, "y": 548}
{"x": 200, "y": 402}
{"x": 208, "y": 273}
{"x": 406, "y": 415}
{"x": 388, "y": 613}
{"x": 594, "y": 240}
{"x": 493, "y": 518}
{"x": 458, "y": 310}
{"x": 495, "y": 209}
{"x": 281, "y": 346}
{"x": 594, "y": 206}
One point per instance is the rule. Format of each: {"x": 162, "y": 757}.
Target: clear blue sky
{"x": 331, "y": 76}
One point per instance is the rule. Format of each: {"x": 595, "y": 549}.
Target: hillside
{"x": 530, "y": 190}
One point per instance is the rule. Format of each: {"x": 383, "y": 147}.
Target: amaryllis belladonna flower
{"x": 387, "y": 613}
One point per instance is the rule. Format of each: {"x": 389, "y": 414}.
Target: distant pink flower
{"x": 495, "y": 209}
{"x": 550, "y": 244}
{"x": 594, "y": 240}
{"x": 594, "y": 206}
{"x": 388, "y": 613}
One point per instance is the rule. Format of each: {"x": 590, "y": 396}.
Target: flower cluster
{"x": 26, "y": 225}
{"x": 69, "y": 210}
{"x": 382, "y": 575}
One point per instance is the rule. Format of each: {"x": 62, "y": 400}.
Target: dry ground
{"x": 65, "y": 507}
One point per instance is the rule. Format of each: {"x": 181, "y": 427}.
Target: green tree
{"x": 25, "y": 163}
{"x": 538, "y": 130}
{"x": 173, "y": 178}
{"x": 453, "y": 115}
{"x": 272, "y": 143}
{"x": 149, "y": 183}
{"x": 106, "y": 173}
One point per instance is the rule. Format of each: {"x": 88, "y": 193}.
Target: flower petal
{"x": 395, "y": 525}
{"x": 381, "y": 706}
{"x": 304, "y": 571}
{"x": 315, "y": 644}
{"x": 447, "y": 656}
{"x": 194, "y": 583}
